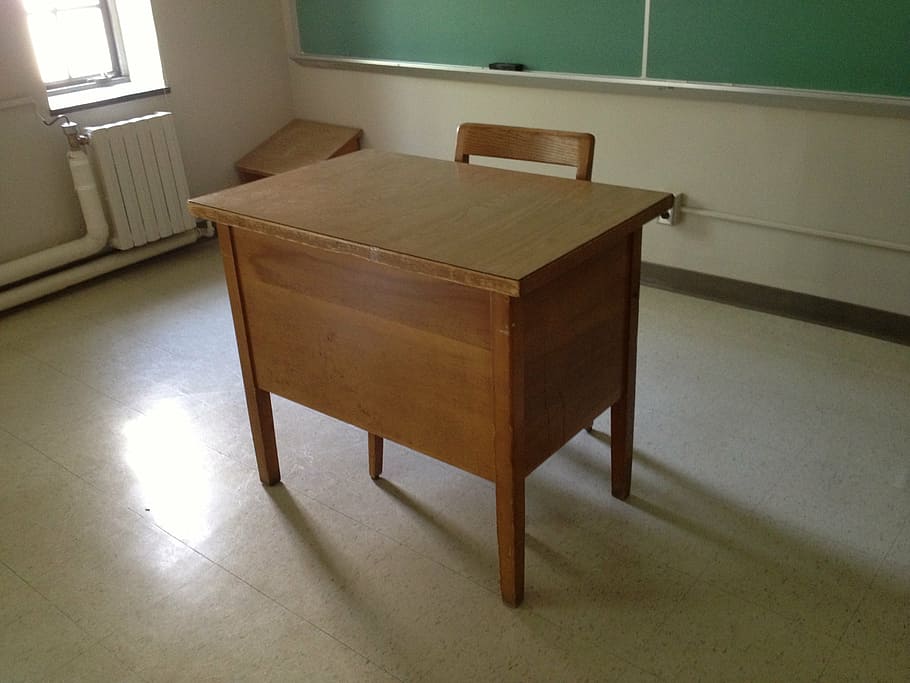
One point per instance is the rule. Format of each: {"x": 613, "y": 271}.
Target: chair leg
{"x": 375, "y": 445}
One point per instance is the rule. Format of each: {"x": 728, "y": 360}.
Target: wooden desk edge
{"x": 436, "y": 269}
{"x": 555, "y": 268}
{"x": 337, "y": 245}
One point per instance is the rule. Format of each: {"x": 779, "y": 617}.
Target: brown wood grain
{"x": 449, "y": 309}
{"x": 507, "y": 316}
{"x": 297, "y": 144}
{"x": 374, "y": 447}
{"x": 563, "y": 148}
{"x": 343, "y": 300}
{"x": 259, "y": 403}
{"x": 622, "y": 413}
{"x": 574, "y": 331}
{"x": 356, "y": 348}
{"x": 498, "y": 230}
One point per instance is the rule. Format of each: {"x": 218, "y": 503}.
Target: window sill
{"x": 98, "y": 97}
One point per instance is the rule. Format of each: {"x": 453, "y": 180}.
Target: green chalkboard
{"x": 858, "y": 46}
{"x": 578, "y": 36}
{"x": 849, "y": 46}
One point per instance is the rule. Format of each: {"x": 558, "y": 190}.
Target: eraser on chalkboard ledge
{"x": 507, "y": 66}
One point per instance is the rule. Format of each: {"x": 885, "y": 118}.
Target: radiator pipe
{"x": 107, "y": 263}
{"x": 96, "y": 235}
{"x": 74, "y": 138}
{"x": 798, "y": 229}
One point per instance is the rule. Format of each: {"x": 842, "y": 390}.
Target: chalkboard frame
{"x": 824, "y": 100}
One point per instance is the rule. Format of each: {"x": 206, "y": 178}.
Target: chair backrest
{"x": 527, "y": 144}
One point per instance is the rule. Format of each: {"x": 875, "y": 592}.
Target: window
{"x": 76, "y": 43}
{"x": 82, "y": 45}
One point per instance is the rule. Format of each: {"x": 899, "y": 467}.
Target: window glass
{"x": 73, "y": 41}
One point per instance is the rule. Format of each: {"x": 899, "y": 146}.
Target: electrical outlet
{"x": 674, "y": 214}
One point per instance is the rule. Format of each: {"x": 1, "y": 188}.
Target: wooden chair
{"x": 562, "y": 148}
{"x": 559, "y": 147}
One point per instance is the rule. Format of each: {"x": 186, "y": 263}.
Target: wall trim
{"x": 814, "y": 100}
{"x": 872, "y": 322}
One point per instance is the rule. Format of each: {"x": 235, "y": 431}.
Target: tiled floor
{"x": 767, "y": 537}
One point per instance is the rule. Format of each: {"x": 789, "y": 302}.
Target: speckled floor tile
{"x": 93, "y": 666}
{"x": 35, "y": 637}
{"x": 766, "y": 537}
{"x": 219, "y": 628}
{"x": 713, "y": 636}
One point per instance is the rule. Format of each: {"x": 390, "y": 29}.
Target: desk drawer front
{"x": 399, "y": 354}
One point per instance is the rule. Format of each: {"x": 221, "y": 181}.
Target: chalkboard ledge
{"x": 851, "y": 103}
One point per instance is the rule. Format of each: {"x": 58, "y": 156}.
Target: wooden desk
{"x": 297, "y": 144}
{"x": 480, "y": 316}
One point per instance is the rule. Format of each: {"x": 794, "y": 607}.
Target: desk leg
{"x": 262, "y": 426}
{"x": 508, "y": 392}
{"x": 258, "y": 402}
{"x": 510, "y": 533}
{"x": 622, "y": 414}
{"x": 375, "y": 447}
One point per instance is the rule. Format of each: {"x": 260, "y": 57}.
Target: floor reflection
{"x": 169, "y": 463}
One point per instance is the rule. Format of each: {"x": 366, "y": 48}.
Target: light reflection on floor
{"x": 767, "y": 536}
{"x": 168, "y": 461}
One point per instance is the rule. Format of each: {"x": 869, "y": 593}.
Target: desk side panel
{"x": 399, "y": 354}
{"x": 574, "y": 328}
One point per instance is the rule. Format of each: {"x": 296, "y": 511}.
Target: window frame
{"x": 119, "y": 73}
{"x": 135, "y": 28}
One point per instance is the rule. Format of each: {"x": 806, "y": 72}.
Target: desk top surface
{"x": 483, "y": 227}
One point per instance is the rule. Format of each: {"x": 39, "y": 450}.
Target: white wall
{"x": 830, "y": 171}
{"x": 226, "y": 64}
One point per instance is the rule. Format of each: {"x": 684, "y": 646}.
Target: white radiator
{"x": 140, "y": 173}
